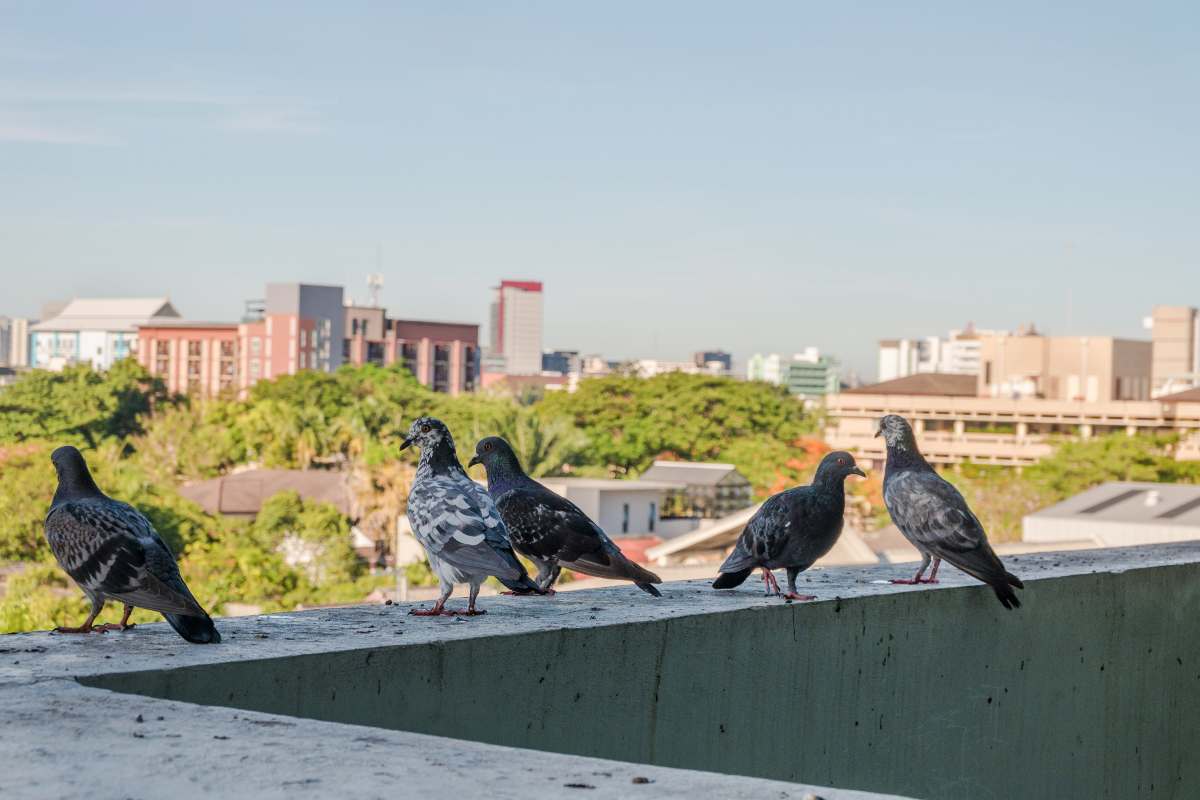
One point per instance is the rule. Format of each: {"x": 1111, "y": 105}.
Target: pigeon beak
{"x": 407, "y": 443}
{"x": 879, "y": 431}
{"x": 857, "y": 471}
{"x": 474, "y": 460}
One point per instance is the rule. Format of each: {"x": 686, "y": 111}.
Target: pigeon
{"x": 113, "y": 553}
{"x": 549, "y": 529}
{"x": 932, "y": 515}
{"x": 792, "y": 529}
{"x": 457, "y": 523}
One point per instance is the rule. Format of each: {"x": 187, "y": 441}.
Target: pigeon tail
{"x": 648, "y": 588}
{"x": 729, "y": 580}
{"x": 197, "y": 630}
{"x": 522, "y": 585}
{"x": 1006, "y": 596}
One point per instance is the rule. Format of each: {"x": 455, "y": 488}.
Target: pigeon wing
{"x": 111, "y": 549}
{"x": 763, "y": 538}
{"x": 548, "y": 526}
{"x": 458, "y": 523}
{"x": 934, "y": 516}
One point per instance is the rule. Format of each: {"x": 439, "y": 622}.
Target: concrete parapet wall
{"x": 1092, "y": 689}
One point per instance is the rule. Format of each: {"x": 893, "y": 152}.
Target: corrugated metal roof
{"x": 1121, "y": 501}
{"x": 108, "y": 314}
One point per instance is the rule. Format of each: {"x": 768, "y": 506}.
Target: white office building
{"x": 94, "y": 331}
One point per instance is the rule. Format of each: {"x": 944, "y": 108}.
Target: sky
{"x": 755, "y": 176}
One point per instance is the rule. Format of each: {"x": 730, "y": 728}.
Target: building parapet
{"x": 932, "y": 692}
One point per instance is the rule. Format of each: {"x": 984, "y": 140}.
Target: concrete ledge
{"x": 1091, "y": 690}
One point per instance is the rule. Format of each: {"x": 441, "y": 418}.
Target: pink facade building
{"x": 303, "y": 327}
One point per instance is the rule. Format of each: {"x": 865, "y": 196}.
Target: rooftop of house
{"x": 692, "y": 473}
{"x": 107, "y": 314}
{"x": 925, "y": 383}
{"x": 1132, "y": 502}
{"x": 243, "y": 493}
{"x": 610, "y": 484}
{"x": 1186, "y": 396}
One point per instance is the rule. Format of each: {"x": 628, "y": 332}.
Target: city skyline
{"x": 832, "y": 177}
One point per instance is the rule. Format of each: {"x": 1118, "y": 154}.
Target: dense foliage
{"x": 142, "y": 444}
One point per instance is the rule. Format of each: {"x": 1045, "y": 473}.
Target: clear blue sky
{"x": 682, "y": 175}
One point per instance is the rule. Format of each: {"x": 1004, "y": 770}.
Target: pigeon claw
{"x": 428, "y": 612}
{"x": 794, "y": 596}
{"x": 906, "y": 581}
{"x": 926, "y": 580}
{"x": 80, "y": 629}
{"x": 112, "y": 626}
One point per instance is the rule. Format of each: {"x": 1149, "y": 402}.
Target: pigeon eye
{"x": 424, "y": 429}
{"x": 487, "y": 446}
{"x": 842, "y": 461}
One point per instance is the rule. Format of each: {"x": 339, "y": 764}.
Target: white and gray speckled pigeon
{"x": 792, "y": 529}
{"x": 933, "y": 515}
{"x": 548, "y": 528}
{"x": 457, "y": 523}
{"x": 113, "y": 552}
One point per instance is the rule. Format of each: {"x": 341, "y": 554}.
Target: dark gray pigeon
{"x": 932, "y": 515}
{"x": 792, "y": 529}
{"x": 457, "y": 523}
{"x": 113, "y": 552}
{"x": 549, "y": 529}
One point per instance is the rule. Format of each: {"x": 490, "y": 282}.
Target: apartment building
{"x": 442, "y": 355}
{"x": 516, "y": 327}
{"x": 1175, "y": 332}
{"x": 1081, "y": 368}
{"x": 305, "y": 327}
{"x": 956, "y": 354}
{"x": 14, "y": 342}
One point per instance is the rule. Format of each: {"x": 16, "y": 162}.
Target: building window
{"x": 375, "y": 353}
{"x": 625, "y": 518}
{"x": 470, "y": 368}
{"x": 354, "y": 327}
{"x": 255, "y": 369}
{"x": 162, "y": 357}
{"x": 255, "y": 346}
{"x": 303, "y": 360}
{"x": 441, "y": 368}
{"x": 227, "y": 371}
{"x": 653, "y": 514}
{"x": 193, "y": 366}
{"x": 346, "y": 349}
{"x": 408, "y": 357}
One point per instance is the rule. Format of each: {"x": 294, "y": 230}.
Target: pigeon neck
{"x": 439, "y": 459}
{"x": 505, "y": 473}
{"x": 828, "y": 479}
{"x": 77, "y": 485}
{"x": 905, "y": 456}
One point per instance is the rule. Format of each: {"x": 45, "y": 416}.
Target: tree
{"x": 79, "y": 405}
{"x": 630, "y": 421}
{"x": 1079, "y": 465}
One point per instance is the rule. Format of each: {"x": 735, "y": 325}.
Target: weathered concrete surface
{"x": 1091, "y": 690}
{"x": 64, "y": 740}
